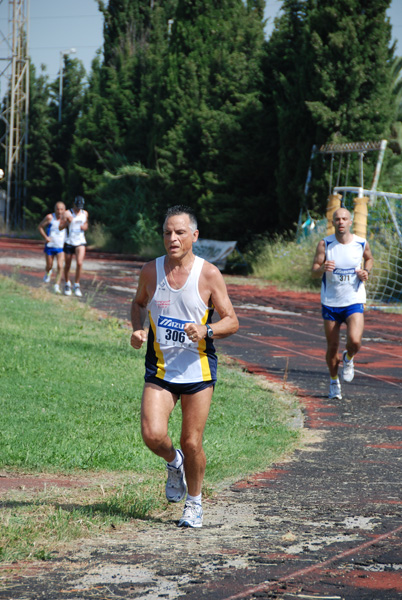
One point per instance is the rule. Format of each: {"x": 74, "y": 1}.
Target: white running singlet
{"x": 75, "y": 236}
{"x": 57, "y": 237}
{"x": 342, "y": 287}
{"x": 171, "y": 355}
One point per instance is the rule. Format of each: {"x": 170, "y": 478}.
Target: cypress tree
{"x": 64, "y": 124}
{"x": 178, "y": 94}
{"x": 211, "y": 152}
{"x": 329, "y": 70}
{"x": 41, "y": 168}
{"x": 118, "y": 121}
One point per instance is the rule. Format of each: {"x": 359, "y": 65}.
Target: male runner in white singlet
{"x": 76, "y": 222}
{"x": 179, "y": 292}
{"x": 338, "y": 259}
{"x": 49, "y": 230}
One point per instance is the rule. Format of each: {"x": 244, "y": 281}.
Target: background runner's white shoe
{"x": 67, "y": 289}
{"x": 348, "y": 371}
{"x": 192, "y": 515}
{"x": 335, "y": 389}
{"x": 77, "y": 290}
{"x": 176, "y": 487}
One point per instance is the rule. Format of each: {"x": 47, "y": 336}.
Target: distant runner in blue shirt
{"x": 49, "y": 230}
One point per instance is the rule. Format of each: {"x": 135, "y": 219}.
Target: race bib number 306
{"x": 170, "y": 331}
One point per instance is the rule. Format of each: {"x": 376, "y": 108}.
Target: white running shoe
{"x": 67, "y": 289}
{"x": 47, "y": 276}
{"x": 335, "y": 389}
{"x": 176, "y": 487}
{"x": 348, "y": 371}
{"x": 77, "y": 290}
{"x": 192, "y": 515}
{"x": 57, "y": 289}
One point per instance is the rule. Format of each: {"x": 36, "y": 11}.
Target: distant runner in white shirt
{"x": 49, "y": 230}
{"x": 338, "y": 259}
{"x": 76, "y": 222}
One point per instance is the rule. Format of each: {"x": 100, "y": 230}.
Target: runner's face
{"x": 178, "y": 236}
{"x": 60, "y": 210}
{"x": 342, "y": 221}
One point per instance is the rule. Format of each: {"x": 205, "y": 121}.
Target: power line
{"x": 66, "y": 17}
{"x": 59, "y": 17}
{"x": 58, "y": 47}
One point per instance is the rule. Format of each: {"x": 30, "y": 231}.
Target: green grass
{"x": 70, "y": 390}
{"x": 36, "y": 525}
{"x": 287, "y": 263}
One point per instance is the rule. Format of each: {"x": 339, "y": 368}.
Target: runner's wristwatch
{"x": 210, "y": 333}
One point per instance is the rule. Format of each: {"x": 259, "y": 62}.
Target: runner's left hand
{"x": 194, "y": 332}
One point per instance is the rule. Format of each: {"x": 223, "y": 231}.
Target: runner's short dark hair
{"x": 79, "y": 202}
{"x": 180, "y": 209}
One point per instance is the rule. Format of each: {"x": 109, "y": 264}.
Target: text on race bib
{"x": 170, "y": 331}
{"x": 345, "y": 275}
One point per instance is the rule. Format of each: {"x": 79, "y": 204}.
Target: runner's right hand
{"x": 138, "y": 338}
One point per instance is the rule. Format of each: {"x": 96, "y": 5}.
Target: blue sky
{"x": 59, "y": 25}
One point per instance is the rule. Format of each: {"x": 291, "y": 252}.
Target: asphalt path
{"x": 326, "y": 524}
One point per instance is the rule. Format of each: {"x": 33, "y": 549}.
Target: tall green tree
{"x": 211, "y": 154}
{"x": 117, "y": 123}
{"x": 120, "y": 123}
{"x": 64, "y": 114}
{"x": 330, "y": 77}
{"x": 178, "y": 93}
{"x": 40, "y": 167}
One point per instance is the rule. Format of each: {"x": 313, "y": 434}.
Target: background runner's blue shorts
{"x": 52, "y": 251}
{"x": 180, "y": 388}
{"x": 340, "y": 314}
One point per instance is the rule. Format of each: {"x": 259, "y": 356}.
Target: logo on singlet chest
{"x": 170, "y": 331}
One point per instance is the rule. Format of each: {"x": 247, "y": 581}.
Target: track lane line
{"x": 262, "y": 587}
{"x": 304, "y": 354}
{"x": 321, "y": 337}
{"x": 310, "y": 315}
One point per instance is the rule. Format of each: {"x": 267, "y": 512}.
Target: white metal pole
{"x": 61, "y": 83}
{"x": 377, "y": 171}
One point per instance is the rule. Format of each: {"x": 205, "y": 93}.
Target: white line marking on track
{"x": 262, "y": 587}
{"x": 318, "y": 320}
{"x": 267, "y": 309}
{"x": 322, "y": 337}
{"x": 304, "y": 354}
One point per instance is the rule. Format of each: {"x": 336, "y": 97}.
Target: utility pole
{"x": 14, "y": 62}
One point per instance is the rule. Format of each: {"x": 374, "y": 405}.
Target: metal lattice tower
{"x": 14, "y": 63}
